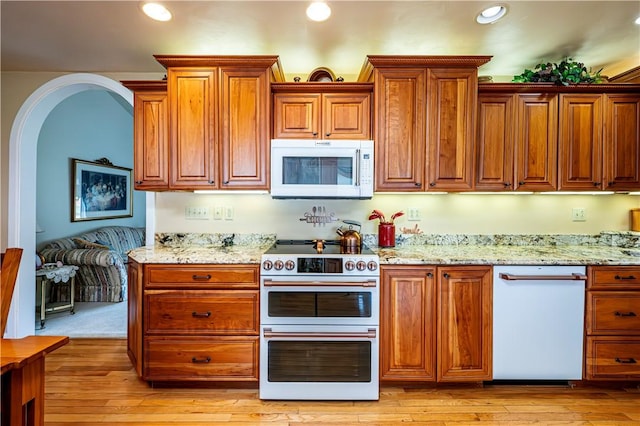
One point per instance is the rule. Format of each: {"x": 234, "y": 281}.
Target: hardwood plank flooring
{"x": 92, "y": 382}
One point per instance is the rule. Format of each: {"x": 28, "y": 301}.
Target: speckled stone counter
{"x": 205, "y": 248}
{"x": 607, "y": 248}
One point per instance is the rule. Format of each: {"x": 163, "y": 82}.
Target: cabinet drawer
{"x": 613, "y": 312}
{"x": 202, "y": 276}
{"x": 202, "y": 312}
{"x": 614, "y": 277}
{"x": 201, "y": 359}
{"x": 613, "y": 358}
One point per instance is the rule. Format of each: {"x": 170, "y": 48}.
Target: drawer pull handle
{"x": 628, "y": 277}
{"x": 626, "y": 361}
{"x": 625, "y": 314}
{"x": 202, "y": 277}
{"x": 201, "y": 314}
{"x": 206, "y": 360}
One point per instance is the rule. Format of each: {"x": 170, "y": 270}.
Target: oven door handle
{"x": 371, "y": 334}
{"x": 270, "y": 283}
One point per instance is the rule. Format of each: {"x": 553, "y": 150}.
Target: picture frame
{"x": 100, "y": 190}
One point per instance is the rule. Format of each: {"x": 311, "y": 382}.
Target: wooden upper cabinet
{"x": 451, "y": 112}
{"x": 536, "y": 142}
{"x": 346, "y": 116}
{"x": 322, "y": 110}
{"x": 193, "y": 118}
{"x": 400, "y": 117}
{"x": 494, "y": 142}
{"x": 244, "y": 136}
{"x": 150, "y": 135}
{"x": 465, "y": 323}
{"x": 580, "y": 142}
{"x": 296, "y": 115}
{"x": 622, "y": 141}
{"x": 408, "y": 318}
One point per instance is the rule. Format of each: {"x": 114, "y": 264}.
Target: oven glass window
{"x": 319, "y": 361}
{"x": 319, "y": 304}
{"x": 317, "y": 171}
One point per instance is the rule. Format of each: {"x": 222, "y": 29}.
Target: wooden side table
{"x": 54, "y": 275}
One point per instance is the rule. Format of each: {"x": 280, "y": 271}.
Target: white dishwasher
{"x": 538, "y": 322}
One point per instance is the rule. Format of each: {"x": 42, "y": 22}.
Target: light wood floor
{"x": 91, "y": 382}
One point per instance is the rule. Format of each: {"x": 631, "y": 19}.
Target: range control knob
{"x": 267, "y": 265}
{"x": 350, "y": 265}
{"x": 372, "y": 266}
{"x": 289, "y": 265}
{"x": 278, "y": 265}
{"x": 361, "y": 265}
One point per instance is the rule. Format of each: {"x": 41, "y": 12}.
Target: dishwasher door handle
{"x": 572, "y": 277}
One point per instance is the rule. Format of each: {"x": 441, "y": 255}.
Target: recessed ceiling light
{"x": 491, "y": 14}
{"x": 156, "y": 11}
{"x": 318, "y": 11}
{"x": 637, "y": 21}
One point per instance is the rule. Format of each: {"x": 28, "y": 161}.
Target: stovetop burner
{"x": 310, "y": 247}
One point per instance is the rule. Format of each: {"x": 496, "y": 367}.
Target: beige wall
{"x": 450, "y": 213}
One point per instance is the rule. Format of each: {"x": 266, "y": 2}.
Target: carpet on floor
{"x": 91, "y": 319}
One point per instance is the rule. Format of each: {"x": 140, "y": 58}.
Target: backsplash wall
{"x": 440, "y": 214}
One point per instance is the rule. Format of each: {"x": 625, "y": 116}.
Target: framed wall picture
{"x": 100, "y": 191}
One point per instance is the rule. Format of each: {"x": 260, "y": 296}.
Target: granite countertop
{"x": 613, "y": 248}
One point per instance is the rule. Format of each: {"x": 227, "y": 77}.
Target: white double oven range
{"x": 320, "y": 317}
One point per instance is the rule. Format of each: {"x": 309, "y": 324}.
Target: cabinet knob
{"x": 201, "y": 277}
{"x": 226, "y": 182}
{"x": 611, "y": 183}
{"x": 625, "y": 314}
{"x": 138, "y": 182}
{"x": 446, "y": 275}
{"x": 201, "y": 314}
{"x": 206, "y": 360}
{"x": 315, "y": 134}
{"x": 626, "y": 361}
{"x": 521, "y": 183}
{"x": 429, "y": 275}
{"x": 507, "y": 184}
{"x": 432, "y": 184}
{"x": 627, "y": 277}
{"x": 328, "y": 134}
{"x": 418, "y": 184}
{"x": 212, "y": 182}
{"x": 597, "y": 183}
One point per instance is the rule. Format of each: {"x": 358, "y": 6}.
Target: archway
{"x": 21, "y": 215}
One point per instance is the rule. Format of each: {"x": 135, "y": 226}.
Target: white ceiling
{"x": 114, "y": 36}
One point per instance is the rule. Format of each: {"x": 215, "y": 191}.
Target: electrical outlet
{"x": 579, "y": 214}
{"x": 228, "y": 213}
{"x": 413, "y": 214}
{"x": 217, "y": 213}
{"x": 197, "y": 213}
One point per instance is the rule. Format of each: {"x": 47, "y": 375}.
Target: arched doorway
{"x": 21, "y": 217}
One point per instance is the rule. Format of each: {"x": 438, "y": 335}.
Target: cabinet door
{"x": 296, "y": 116}
{"x": 464, "y": 323}
{"x": 536, "y": 142}
{"x": 622, "y": 142}
{"x": 134, "y": 319}
{"x": 346, "y": 116}
{"x": 580, "y": 142}
{"x": 150, "y": 140}
{"x": 407, "y": 323}
{"x": 400, "y": 129}
{"x": 245, "y": 129}
{"x": 494, "y": 169}
{"x": 192, "y": 112}
{"x": 451, "y": 113}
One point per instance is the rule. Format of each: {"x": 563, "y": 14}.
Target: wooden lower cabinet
{"x": 613, "y": 323}
{"x": 436, "y": 323}
{"x": 195, "y": 322}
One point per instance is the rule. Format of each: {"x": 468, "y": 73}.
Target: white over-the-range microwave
{"x": 302, "y": 168}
